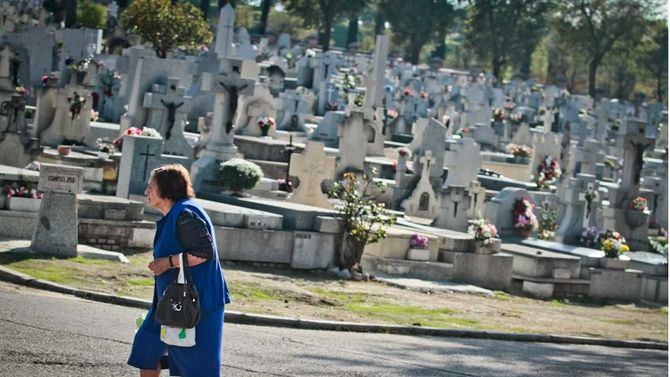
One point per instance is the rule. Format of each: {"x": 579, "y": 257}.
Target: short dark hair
{"x": 173, "y": 182}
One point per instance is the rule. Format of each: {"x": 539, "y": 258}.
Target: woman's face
{"x": 153, "y": 195}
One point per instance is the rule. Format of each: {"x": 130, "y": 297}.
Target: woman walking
{"x": 184, "y": 228}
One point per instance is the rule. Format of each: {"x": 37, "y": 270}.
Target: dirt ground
{"x": 318, "y": 295}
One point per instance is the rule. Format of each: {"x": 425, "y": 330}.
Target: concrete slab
{"x": 233, "y": 216}
{"x": 91, "y": 252}
{"x": 535, "y": 262}
{"x": 431, "y": 285}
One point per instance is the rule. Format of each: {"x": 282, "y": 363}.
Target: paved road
{"x": 46, "y": 334}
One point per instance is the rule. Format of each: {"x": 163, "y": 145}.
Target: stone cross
{"x": 589, "y": 196}
{"x": 224, "y": 32}
{"x": 228, "y": 86}
{"x": 633, "y": 142}
{"x": 112, "y": 9}
{"x": 6, "y": 55}
{"x": 477, "y": 195}
{"x": 168, "y": 101}
{"x": 312, "y": 167}
{"x": 423, "y": 202}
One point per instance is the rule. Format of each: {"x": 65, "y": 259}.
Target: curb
{"x": 9, "y": 275}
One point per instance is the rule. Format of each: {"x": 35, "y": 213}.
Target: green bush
{"x": 91, "y": 15}
{"x": 238, "y": 175}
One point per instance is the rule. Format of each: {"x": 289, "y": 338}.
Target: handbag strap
{"x": 181, "y": 279}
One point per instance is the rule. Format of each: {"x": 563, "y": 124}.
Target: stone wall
{"x": 120, "y": 236}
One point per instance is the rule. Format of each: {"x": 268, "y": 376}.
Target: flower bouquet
{"x": 266, "y": 123}
{"x": 547, "y": 172}
{"x": 418, "y": 241}
{"x": 418, "y": 248}
{"x": 519, "y": 151}
{"x": 523, "y": 217}
{"x": 483, "y": 231}
{"x": 638, "y": 204}
{"x": 590, "y": 236}
{"x": 613, "y": 244}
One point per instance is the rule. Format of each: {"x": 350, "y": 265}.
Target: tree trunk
{"x": 70, "y": 13}
{"x": 327, "y": 30}
{"x": 222, "y": 3}
{"x": 593, "y": 70}
{"x": 352, "y": 31}
{"x": 441, "y": 50}
{"x": 415, "y": 53}
{"x": 659, "y": 86}
{"x": 204, "y": 7}
{"x": 379, "y": 22}
{"x": 497, "y": 67}
{"x": 351, "y": 253}
{"x": 265, "y": 13}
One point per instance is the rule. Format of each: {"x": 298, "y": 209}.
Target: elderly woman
{"x": 184, "y": 228}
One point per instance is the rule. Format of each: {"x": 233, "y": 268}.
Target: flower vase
{"x": 103, "y": 155}
{"x": 524, "y": 233}
{"x": 635, "y": 218}
{"x": 265, "y": 131}
{"x": 620, "y": 263}
{"x": 64, "y": 150}
{"x": 493, "y": 246}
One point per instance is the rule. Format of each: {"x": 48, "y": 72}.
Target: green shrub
{"x": 238, "y": 175}
{"x": 91, "y": 15}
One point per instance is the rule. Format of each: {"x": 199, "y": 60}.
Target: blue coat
{"x": 204, "y": 359}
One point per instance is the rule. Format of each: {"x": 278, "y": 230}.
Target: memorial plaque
{"x": 60, "y": 179}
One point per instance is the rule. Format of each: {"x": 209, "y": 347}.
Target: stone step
{"x": 104, "y": 207}
{"x": 549, "y": 287}
{"x": 538, "y": 263}
{"x": 408, "y": 268}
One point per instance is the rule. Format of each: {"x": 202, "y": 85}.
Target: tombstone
{"x": 423, "y": 202}
{"x": 140, "y": 156}
{"x": 545, "y": 144}
{"x": 276, "y": 77}
{"x": 224, "y": 32}
{"x": 17, "y": 148}
{"x": 294, "y": 106}
{"x": 463, "y": 161}
{"x": 522, "y": 136}
{"x": 261, "y": 104}
{"x": 374, "y": 91}
{"x": 204, "y": 126}
{"x": 236, "y": 78}
{"x": 499, "y": 209}
{"x": 57, "y": 221}
{"x": 354, "y": 136}
{"x": 148, "y": 71}
{"x": 430, "y": 137}
{"x": 243, "y": 48}
{"x": 166, "y": 112}
{"x": 453, "y": 214}
{"x": 590, "y": 156}
{"x": 80, "y": 44}
{"x": 312, "y": 167}
{"x": 582, "y": 201}
{"x": 325, "y": 65}
{"x": 327, "y": 130}
{"x": 72, "y": 118}
{"x": 110, "y": 107}
{"x": 477, "y": 194}
{"x": 38, "y": 44}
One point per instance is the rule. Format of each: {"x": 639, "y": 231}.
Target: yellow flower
{"x": 625, "y": 248}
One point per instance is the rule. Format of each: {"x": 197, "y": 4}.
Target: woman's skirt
{"x": 201, "y": 360}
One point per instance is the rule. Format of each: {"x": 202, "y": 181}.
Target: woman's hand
{"x": 160, "y": 265}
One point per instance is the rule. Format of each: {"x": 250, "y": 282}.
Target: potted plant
{"x": 523, "y": 217}
{"x": 21, "y": 196}
{"x": 365, "y": 220}
{"x": 105, "y": 148}
{"x": 521, "y": 153}
{"x": 237, "y": 175}
{"x": 418, "y": 248}
{"x": 266, "y": 123}
{"x": 637, "y": 213}
{"x": 485, "y": 235}
{"x": 614, "y": 245}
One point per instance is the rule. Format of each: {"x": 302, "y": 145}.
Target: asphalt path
{"x": 48, "y": 334}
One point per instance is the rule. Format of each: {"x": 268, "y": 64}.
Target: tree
{"x": 505, "y": 32}
{"x": 265, "y": 13}
{"x": 365, "y": 220}
{"x": 166, "y": 25}
{"x": 415, "y": 23}
{"x": 91, "y": 15}
{"x": 322, "y": 14}
{"x": 593, "y": 27}
{"x": 655, "y": 58}
{"x": 70, "y": 7}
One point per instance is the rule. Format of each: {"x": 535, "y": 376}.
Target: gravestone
{"x": 243, "y": 48}
{"x": 355, "y": 135}
{"x": 477, "y": 194}
{"x": 423, "y": 202}
{"x": 166, "y": 112}
{"x": 57, "y": 224}
{"x": 431, "y": 137}
{"x": 294, "y": 106}
{"x": 72, "y": 118}
{"x": 80, "y": 44}
{"x": 582, "y": 200}
{"x": 17, "y": 147}
{"x": 225, "y": 32}
{"x": 463, "y": 160}
{"x": 140, "y": 156}
{"x": 545, "y": 144}
{"x": 236, "y": 78}
{"x": 522, "y": 135}
{"x": 499, "y": 209}
{"x": 260, "y": 104}
{"x": 453, "y": 214}
{"x": 312, "y": 167}
{"x": 375, "y": 82}
{"x": 327, "y": 130}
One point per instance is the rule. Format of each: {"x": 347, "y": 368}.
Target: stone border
{"x": 9, "y": 275}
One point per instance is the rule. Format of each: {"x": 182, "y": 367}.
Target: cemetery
{"x": 309, "y": 158}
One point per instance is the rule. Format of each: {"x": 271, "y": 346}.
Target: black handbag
{"x": 180, "y": 304}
